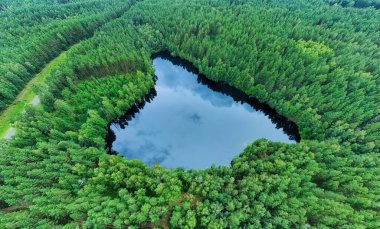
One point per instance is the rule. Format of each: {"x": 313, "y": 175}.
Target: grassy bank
{"x": 25, "y": 97}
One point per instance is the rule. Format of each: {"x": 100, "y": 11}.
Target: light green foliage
{"x": 314, "y": 49}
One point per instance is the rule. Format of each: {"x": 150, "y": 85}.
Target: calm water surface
{"x": 189, "y": 122}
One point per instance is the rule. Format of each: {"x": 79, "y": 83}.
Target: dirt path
{"x": 25, "y": 98}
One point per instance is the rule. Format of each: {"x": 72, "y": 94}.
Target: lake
{"x": 191, "y": 122}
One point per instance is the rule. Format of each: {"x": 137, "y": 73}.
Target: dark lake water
{"x": 190, "y": 122}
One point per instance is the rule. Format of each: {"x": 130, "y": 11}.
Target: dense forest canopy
{"x": 316, "y": 62}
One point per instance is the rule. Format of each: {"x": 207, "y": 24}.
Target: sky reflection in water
{"x": 189, "y": 125}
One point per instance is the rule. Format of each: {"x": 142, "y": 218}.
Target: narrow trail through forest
{"x": 25, "y": 98}
{"x": 28, "y": 97}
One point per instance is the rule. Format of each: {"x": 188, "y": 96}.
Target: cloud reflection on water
{"x": 187, "y": 124}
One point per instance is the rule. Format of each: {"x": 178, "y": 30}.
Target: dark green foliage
{"x": 317, "y": 64}
{"x": 356, "y": 3}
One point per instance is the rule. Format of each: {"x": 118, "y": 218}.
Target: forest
{"x": 316, "y": 62}
{"x": 357, "y": 3}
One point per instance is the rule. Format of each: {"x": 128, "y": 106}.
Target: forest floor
{"x": 24, "y": 98}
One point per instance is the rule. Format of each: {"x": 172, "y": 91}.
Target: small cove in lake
{"x": 191, "y": 122}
